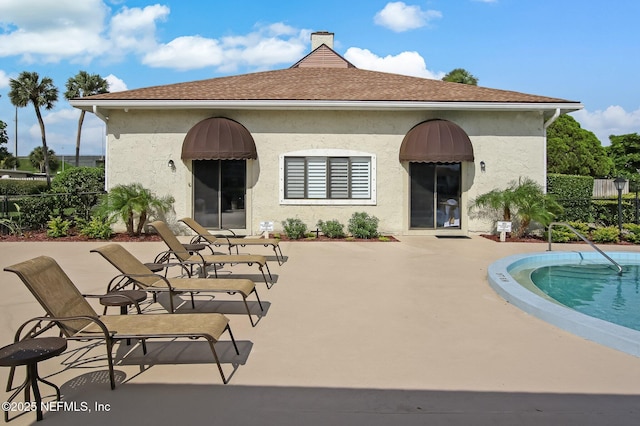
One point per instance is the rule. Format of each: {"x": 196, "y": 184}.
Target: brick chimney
{"x": 321, "y": 37}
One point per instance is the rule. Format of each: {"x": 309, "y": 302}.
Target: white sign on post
{"x": 265, "y": 228}
{"x": 504, "y": 226}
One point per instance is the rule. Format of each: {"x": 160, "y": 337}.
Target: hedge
{"x": 574, "y": 193}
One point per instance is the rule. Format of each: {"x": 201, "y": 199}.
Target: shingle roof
{"x": 324, "y": 84}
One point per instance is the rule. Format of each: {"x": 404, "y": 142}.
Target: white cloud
{"x": 399, "y": 17}
{"x": 134, "y": 29}
{"x": 185, "y": 53}
{"x": 50, "y": 31}
{"x": 115, "y": 84}
{"x": 268, "y": 45}
{"x": 406, "y": 63}
{"x": 61, "y": 116}
{"x": 4, "y": 79}
{"x": 612, "y": 121}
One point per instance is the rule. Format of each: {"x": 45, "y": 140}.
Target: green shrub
{"x": 83, "y": 186}
{"x": 606, "y": 211}
{"x": 8, "y": 226}
{"x": 361, "y": 225}
{"x": 58, "y": 227}
{"x": 35, "y": 211}
{"x": 631, "y": 233}
{"x": 294, "y": 228}
{"x": 22, "y": 187}
{"x": 560, "y": 234}
{"x": 608, "y": 234}
{"x": 97, "y": 228}
{"x": 331, "y": 228}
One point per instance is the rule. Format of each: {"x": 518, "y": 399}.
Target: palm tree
{"x": 28, "y": 88}
{"x": 84, "y": 84}
{"x": 524, "y": 201}
{"x": 460, "y": 75}
{"x": 36, "y": 157}
{"x": 129, "y": 201}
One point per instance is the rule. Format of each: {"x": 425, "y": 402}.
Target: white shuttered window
{"x": 327, "y": 178}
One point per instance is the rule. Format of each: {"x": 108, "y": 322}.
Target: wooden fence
{"x": 605, "y": 188}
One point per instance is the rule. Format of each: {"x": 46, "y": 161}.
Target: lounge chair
{"x": 132, "y": 270}
{"x": 68, "y": 309}
{"x": 185, "y": 257}
{"x": 203, "y": 235}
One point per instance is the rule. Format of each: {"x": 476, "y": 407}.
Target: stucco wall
{"x": 140, "y": 144}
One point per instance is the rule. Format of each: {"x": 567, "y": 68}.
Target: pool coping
{"x": 612, "y": 335}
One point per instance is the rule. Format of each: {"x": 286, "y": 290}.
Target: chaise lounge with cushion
{"x": 178, "y": 252}
{"x": 66, "y": 308}
{"x": 132, "y": 270}
{"x": 203, "y": 235}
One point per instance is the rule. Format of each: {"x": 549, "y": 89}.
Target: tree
{"x": 460, "y": 75}
{"x": 524, "y": 201}
{"x": 84, "y": 84}
{"x": 7, "y": 160}
{"x": 572, "y": 150}
{"x": 28, "y": 88}
{"x": 624, "y": 151}
{"x": 37, "y": 159}
{"x": 133, "y": 201}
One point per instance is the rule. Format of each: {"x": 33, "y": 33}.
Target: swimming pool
{"x": 511, "y": 278}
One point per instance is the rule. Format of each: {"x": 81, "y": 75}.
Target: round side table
{"x": 116, "y": 298}
{"x": 30, "y": 352}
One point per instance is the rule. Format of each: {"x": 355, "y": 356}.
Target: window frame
{"x": 329, "y": 154}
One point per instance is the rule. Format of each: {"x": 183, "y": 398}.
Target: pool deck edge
{"x": 603, "y": 332}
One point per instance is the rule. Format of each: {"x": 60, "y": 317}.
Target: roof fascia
{"x": 89, "y": 105}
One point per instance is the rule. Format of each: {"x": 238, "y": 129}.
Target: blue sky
{"x": 579, "y": 50}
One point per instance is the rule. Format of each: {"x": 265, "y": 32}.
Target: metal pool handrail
{"x": 583, "y": 238}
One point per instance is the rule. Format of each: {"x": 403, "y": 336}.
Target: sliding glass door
{"x": 434, "y": 195}
{"x": 219, "y": 193}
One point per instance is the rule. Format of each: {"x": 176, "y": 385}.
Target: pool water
{"x": 596, "y": 290}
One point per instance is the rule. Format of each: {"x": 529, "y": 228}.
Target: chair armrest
{"x": 58, "y": 321}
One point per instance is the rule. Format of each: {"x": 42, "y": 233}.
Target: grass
{"x": 26, "y": 166}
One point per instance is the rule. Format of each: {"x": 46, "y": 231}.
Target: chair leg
{"x": 278, "y": 257}
{"x": 232, "y": 339}
{"x": 112, "y": 377}
{"x": 12, "y": 372}
{"x": 244, "y": 299}
{"x": 215, "y": 356}
{"x": 258, "y": 297}
{"x": 265, "y": 277}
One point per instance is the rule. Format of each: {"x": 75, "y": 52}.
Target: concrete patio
{"x": 396, "y": 333}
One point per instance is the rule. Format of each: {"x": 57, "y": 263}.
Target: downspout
{"x": 548, "y": 123}
{"x": 105, "y": 119}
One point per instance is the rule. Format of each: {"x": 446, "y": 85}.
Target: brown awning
{"x": 218, "y": 139}
{"x": 436, "y": 141}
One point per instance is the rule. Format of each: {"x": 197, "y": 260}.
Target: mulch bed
{"x": 510, "y": 239}
{"x": 325, "y": 238}
{"x": 535, "y": 239}
{"x": 41, "y": 236}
